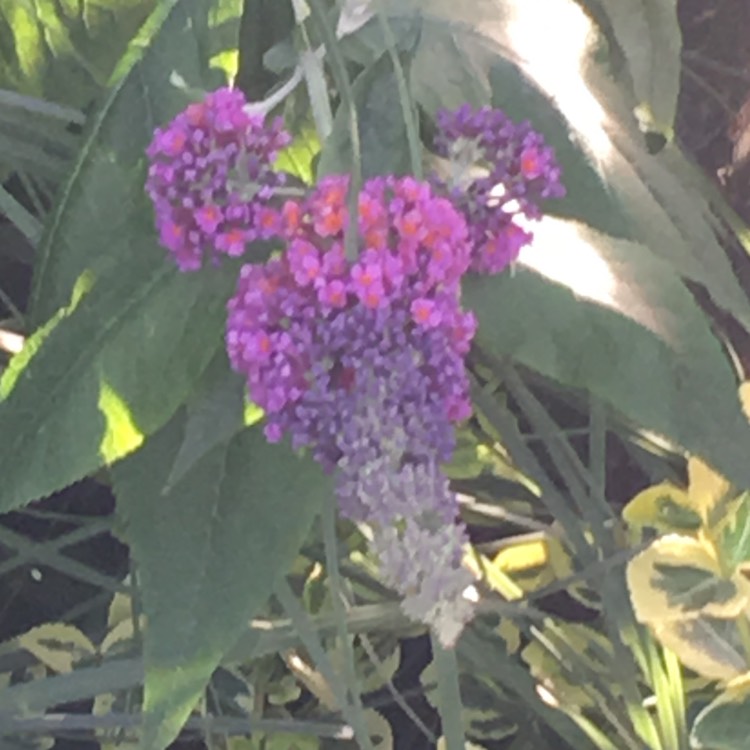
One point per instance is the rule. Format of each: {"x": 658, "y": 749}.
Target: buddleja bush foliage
{"x": 201, "y": 264}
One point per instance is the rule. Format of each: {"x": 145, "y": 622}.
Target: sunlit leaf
{"x": 605, "y": 315}
{"x": 709, "y": 493}
{"x": 116, "y": 367}
{"x": 66, "y": 52}
{"x": 108, "y": 374}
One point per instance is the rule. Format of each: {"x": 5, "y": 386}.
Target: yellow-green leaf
{"x": 57, "y": 645}
{"x": 709, "y": 492}
{"x": 708, "y": 646}
{"x": 664, "y": 507}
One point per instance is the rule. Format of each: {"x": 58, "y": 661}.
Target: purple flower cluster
{"x": 210, "y": 176}
{"x": 306, "y": 325}
{"x": 361, "y": 362}
{"x": 501, "y": 172}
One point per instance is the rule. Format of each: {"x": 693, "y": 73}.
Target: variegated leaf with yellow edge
{"x": 485, "y": 714}
{"x": 664, "y": 507}
{"x": 710, "y": 647}
{"x": 59, "y": 646}
{"x": 725, "y": 722}
{"x": 710, "y": 495}
{"x": 678, "y": 577}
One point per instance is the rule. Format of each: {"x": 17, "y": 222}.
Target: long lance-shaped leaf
{"x": 209, "y": 551}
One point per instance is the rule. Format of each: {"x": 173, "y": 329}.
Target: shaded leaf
{"x": 57, "y": 645}
{"x": 117, "y": 367}
{"x": 264, "y": 23}
{"x": 214, "y": 416}
{"x": 735, "y": 539}
{"x": 209, "y": 552}
{"x": 108, "y": 374}
{"x": 382, "y": 131}
{"x": 545, "y": 665}
{"x": 724, "y": 724}
{"x": 449, "y": 65}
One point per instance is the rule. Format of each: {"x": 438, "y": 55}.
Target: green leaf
{"x": 384, "y": 145}
{"x": 604, "y": 314}
{"x": 677, "y": 577}
{"x": 214, "y": 415}
{"x": 117, "y": 367}
{"x": 65, "y": 51}
{"x": 110, "y": 372}
{"x": 100, "y": 211}
{"x": 446, "y": 71}
{"x": 648, "y": 34}
{"x": 208, "y": 552}
{"x": 692, "y": 588}
{"x": 298, "y": 157}
{"x": 724, "y": 724}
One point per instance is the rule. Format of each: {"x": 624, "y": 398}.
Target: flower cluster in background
{"x": 360, "y": 361}
{"x": 501, "y": 172}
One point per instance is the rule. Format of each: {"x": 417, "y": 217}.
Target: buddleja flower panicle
{"x": 504, "y": 170}
{"x": 210, "y": 176}
{"x": 363, "y": 362}
{"x": 310, "y": 305}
